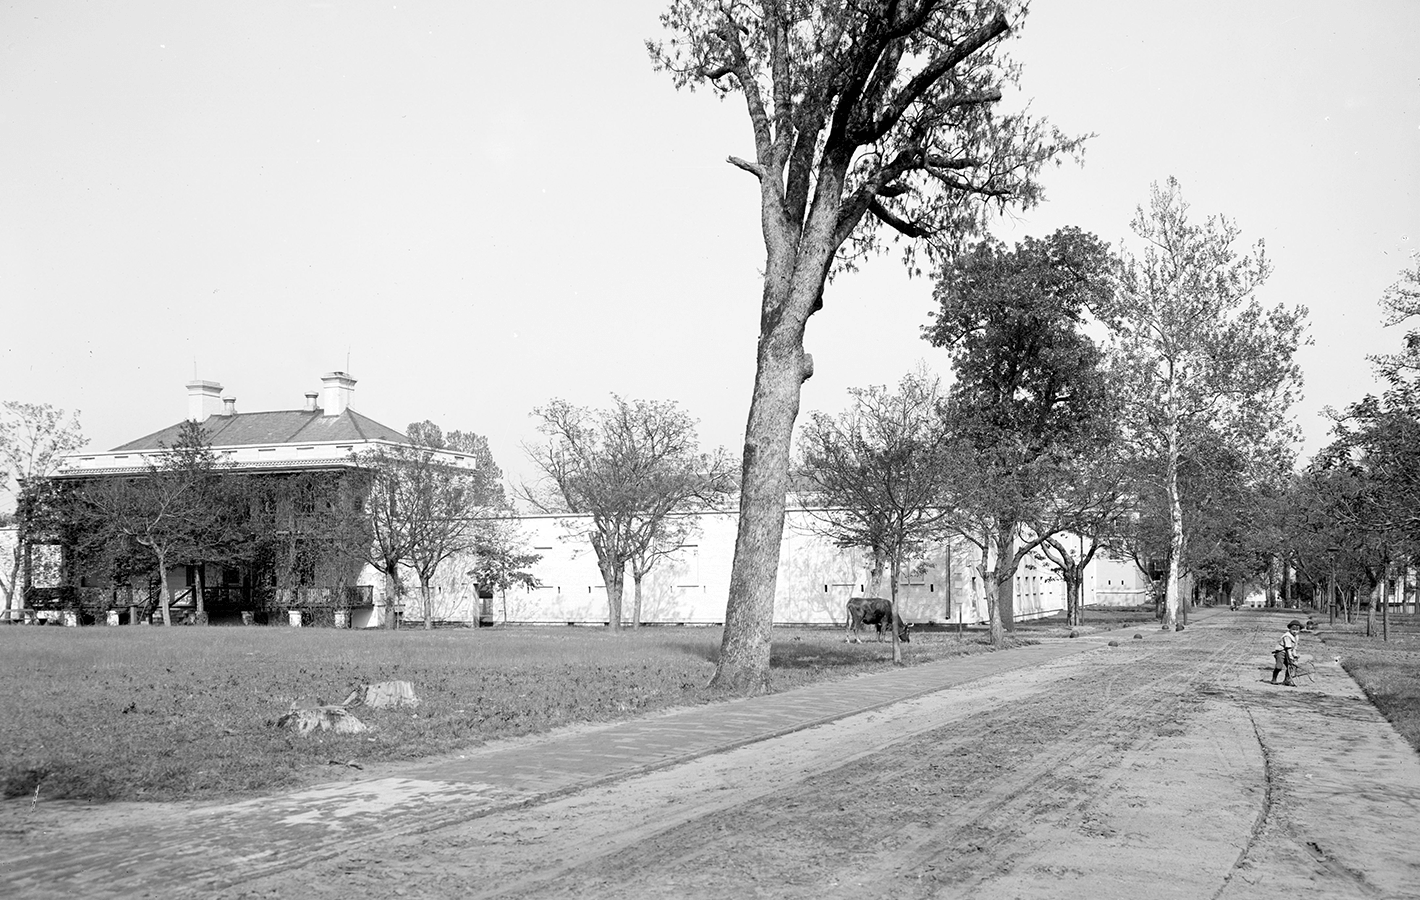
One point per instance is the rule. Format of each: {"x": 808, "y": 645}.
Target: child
{"x": 1285, "y": 653}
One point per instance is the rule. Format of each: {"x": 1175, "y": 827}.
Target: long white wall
{"x": 815, "y": 580}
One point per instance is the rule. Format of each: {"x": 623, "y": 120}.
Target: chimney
{"x": 335, "y": 392}
{"x": 311, "y": 401}
{"x": 204, "y": 398}
{"x": 229, "y": 406}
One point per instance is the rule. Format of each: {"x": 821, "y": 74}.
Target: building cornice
{"x": 247, "y": 457}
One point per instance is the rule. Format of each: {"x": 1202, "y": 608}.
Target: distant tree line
{"x": 1135, "y": 401}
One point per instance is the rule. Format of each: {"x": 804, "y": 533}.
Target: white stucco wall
{"x": 815, "y": 581}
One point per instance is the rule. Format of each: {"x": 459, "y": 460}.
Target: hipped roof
{"x": 293, "y": 426}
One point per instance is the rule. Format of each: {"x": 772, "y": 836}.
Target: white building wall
{"x": 815, "y": 581}
{"x": 1116, "y": 582}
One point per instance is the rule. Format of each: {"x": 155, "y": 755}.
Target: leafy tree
{"x": 869, "y": 118}
{"x": 171, "y": 511}
{"x": 1377, "y": 446}
{"x": 1030, "y": 394}
{"x": 1232, "y": 504}
{"x": 425, "y": 497}
{"x": 1197, "y": 349}
{"x": 875, "y": 473}
{"x": 391, "y": 541}
{"x": 1401, "y": 303}
{"x": 628, "y": 469}
{"x": 1358, "y": 497}
{"x": 501, "y": 558}
{"x": 34, "y": 439}
{"x": 1090, "y": 511}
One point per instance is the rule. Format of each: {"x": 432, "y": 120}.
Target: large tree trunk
{"x": 1287, "y": 599}
{"x": 1004, "y": 577}
{"x": 636, "y": 577}
{"x": 1172, "y": 600}
{"x": 201, "y": 588}
{"x": 893, "y": 619}
{"x": 990, "y": 587}
{"x": 1385, "y": 603}
{"x": 614, "y": 575}
{"x": 1371, "y": 610}
{"x": 875, "y": 574}
{"x": 393, "y": 591}
{"x": 427, "y": 596}
{"x": 782, "y": 368}
{"x": 1074, "y": 576}
{"x": 164, "y": 594}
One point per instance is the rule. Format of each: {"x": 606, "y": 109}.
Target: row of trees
{"x": 1353, "y": 515}
{"x": 881, "y": 123}
{"x": 1151, "y": 440}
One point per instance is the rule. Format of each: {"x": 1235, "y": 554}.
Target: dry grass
{"x": 1388, "y": 671}
{"x": 188, "y": 713}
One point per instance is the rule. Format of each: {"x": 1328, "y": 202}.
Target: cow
{"x": 873, "y": 611}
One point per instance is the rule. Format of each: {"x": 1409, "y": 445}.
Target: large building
{"x": 306, "y": 463}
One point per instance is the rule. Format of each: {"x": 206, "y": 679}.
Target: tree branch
{"x": 752, "y": 168}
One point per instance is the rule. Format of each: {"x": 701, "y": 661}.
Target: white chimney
{"x": 229, "y": 406}
{"x": 335, "y": 392}
{"x": 204, "y": 398}
{"x": 311, "y": 401}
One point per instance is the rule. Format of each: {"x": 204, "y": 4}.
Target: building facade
{"x": 303, "y": 467}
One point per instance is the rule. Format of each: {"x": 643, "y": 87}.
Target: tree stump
{"x": 387, "y": 695}
{"x": 306, "y": 719}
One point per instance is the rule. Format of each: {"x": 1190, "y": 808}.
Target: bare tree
{"x": 627, "y": 469}
{"x": 171, "y": 511}
{"x": 876, "y": 473}
{"x": 864, "y": 114}
{"x": 425, "y": 500}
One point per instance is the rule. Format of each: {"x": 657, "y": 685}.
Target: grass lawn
{"x": 188, "y": 713}
{"x": 1388, "y": 671}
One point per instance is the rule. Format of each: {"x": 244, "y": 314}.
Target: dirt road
{"x": 1162, "y": 767}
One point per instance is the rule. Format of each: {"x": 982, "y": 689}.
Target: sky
{"x": 474, "y": 208}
